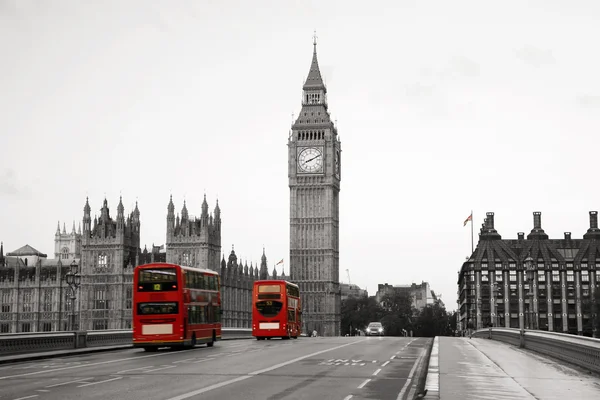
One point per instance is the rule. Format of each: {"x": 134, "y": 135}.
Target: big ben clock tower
{"x": 314, "y": 171}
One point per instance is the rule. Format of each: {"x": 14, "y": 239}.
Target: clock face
{"x": 310, "y": 160}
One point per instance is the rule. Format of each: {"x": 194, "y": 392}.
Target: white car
{"x": 374, "y": 329}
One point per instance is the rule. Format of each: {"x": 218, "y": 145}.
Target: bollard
{"x": 490, "y": 334}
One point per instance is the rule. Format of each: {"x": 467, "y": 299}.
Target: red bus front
{"x": 276, "y": 309}
{"x": 175, "y": 306}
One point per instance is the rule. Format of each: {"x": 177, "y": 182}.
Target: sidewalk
{"x": 485, "y": 369}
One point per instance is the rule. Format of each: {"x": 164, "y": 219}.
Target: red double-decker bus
{"x": 276, "y": 310}
{"x": 175, "y": 306}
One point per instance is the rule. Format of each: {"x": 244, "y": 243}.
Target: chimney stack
{"x": 521, "y": 235}
{"x": 489, "y": 221}
{"x": 537, "y": 220}
{"x": 593, "y": 219}
{"x": 567, "y": 235}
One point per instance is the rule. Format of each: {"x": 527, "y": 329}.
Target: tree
{"x": 433, "y": 320}
{"x": 399, "y": 313}
{"x": 358, "y": 312}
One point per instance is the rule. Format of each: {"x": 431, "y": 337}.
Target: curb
{"x": 53, "y": 354}
{"x": 432, "y": 384}
{"x": 89, "y": 350}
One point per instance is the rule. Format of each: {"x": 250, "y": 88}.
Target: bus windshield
{"x": 159, "y": 279}
{"x": 269, "y": 309}
{"x": 157, "y": 308}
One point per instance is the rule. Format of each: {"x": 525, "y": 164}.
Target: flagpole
{"x": 472, "y": 249}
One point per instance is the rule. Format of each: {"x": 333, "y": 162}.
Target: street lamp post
{"x": 530, "y": 278}
{"x": 73, "y": 280}
{"x": 493, "y": 295}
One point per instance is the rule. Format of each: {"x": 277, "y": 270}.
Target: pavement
{"x": 340, "y": 368}
{"x": 478, "y": 368}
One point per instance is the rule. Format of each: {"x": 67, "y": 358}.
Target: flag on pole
{"x": 280, "y": 262}
{"x": 469, "y": 218}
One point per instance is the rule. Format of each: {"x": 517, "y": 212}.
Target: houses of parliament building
{"x": 36, "y": 297}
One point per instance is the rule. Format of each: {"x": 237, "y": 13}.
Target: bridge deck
{"x": 485, "y": 369}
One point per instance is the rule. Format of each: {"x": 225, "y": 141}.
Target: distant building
{"x": 350, "y": 290}
{"x": 420, "y": 294}
{"x": 156, "y": 254}
{"x": 531, "y": 283}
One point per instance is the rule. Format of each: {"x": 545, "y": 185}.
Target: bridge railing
{"x": 23, "y": 343}
{"x": 579, "y": 350}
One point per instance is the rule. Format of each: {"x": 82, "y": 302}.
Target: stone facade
{"x": 36, "y": 298}
{"x": 314, "y": 171}
{"x": 109, "y": 251}
{"x": 194, "y": 242}
{"x": 534, "y": 282}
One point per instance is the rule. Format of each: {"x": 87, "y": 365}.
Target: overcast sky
{"x": 442, "y": 107}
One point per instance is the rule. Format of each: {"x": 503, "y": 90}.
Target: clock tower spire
{"x": 314, "y": 173}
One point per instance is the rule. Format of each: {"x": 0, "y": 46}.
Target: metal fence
{"x": 578, "y": 350}
{"x": 23, "y": 343}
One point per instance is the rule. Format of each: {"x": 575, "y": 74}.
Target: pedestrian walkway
{"x": 485, "y": 369}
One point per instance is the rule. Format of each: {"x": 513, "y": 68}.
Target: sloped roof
{"x": 26, "y": 250}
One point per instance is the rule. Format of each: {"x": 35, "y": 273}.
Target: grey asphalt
{"x": 341, "y": 368}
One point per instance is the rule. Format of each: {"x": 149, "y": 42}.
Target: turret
{"x": 170, "y": 217}
{"x": 264, "y": 270}
{"x": 120, "y": 215}
{"x": 204, "y": 210}
{"x": 87, "y": 219}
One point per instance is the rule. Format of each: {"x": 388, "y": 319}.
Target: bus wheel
{"x": 150, "y": 349}
{"x": 212, "y": 341}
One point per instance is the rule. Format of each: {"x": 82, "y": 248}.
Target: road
{"x": 307, "y": 368}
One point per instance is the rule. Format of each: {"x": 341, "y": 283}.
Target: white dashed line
{"x": 362, "y": 385}
{"x": 104, "y": 381}
{"x": 348, "y": 397}
{"x": 27, "y": 397}
{"x": 392, "y": 357}
{"x": 376, "y": 372}
{"x": 384, "y": 364}
{"x": 66, "y": 383}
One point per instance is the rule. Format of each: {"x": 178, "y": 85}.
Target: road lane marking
{"x": 410, "y": 375}
{"x": 187, "y": 359}
{"x": 104, "y": 381}
{"x": 362, "y": 385}
{"x": 66, "y": 383}
{"x": 392, "y": 357}
{"x": 160, "y": 369}
{"x": 384, "y": 364}
{"x": 348, "y": 397}
{"x": 89, "y": 365}
{"x": 27, "y": 397}
{"x": 42, "y": 390}
{"x": 203, "y": 360}
{"x": 261, "y": 371}
{"x": 133, "y": 369}
{"x": 376, "y": 372}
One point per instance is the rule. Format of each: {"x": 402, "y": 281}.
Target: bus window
{"x": 269, "y": 308}
{"x": 157, "y": 308}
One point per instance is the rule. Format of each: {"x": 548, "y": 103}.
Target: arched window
{"x": 102, "y": 262}
{"x": 186, "y": 259}
{"x": 64, "y": 253}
